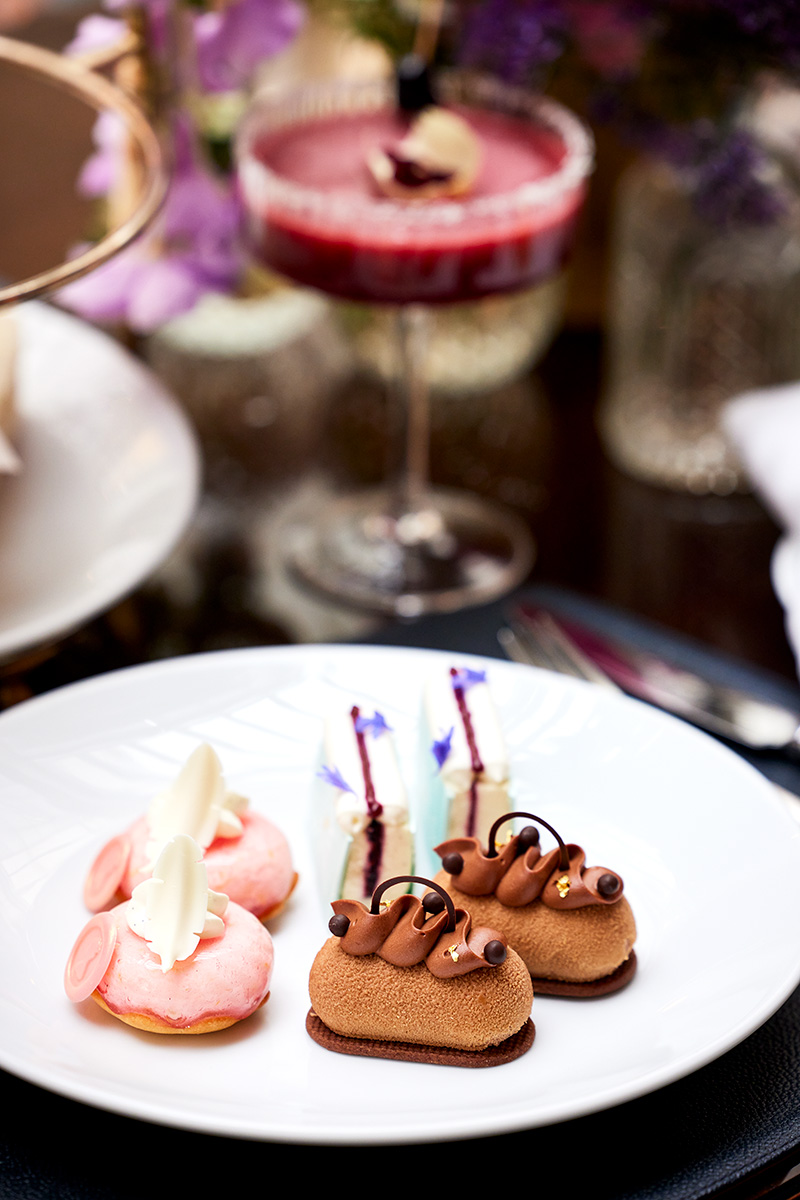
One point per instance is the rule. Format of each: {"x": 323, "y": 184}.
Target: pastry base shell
{"x": 151, "y": 1024}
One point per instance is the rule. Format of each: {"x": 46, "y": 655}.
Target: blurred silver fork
{"x": 540, "y": 642}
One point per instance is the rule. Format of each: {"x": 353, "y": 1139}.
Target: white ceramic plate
{"x": 710, "y": 860}
{"x": 109, "y": 479}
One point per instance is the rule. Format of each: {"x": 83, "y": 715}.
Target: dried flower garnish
{"x": 333, "y": 776}
{"x": 465, "y": 677}
{"x": 438, "y": 157}
{"x": 441, "y": 747}
{"x": 376, "y": 724}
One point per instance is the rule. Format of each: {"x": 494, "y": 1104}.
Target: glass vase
{"x": 698, "y": 313}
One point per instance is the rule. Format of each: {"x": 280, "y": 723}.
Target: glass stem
{"x": 413, "y": 400}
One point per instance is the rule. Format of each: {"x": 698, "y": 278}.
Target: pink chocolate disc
{"x": 106, "y": 872}
{"x": 91, "y": 954}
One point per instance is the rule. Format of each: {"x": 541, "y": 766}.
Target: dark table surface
{"x": 689, "y": 573}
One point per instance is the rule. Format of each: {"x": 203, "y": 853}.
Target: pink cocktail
{"x": 353, "y": 244}
{"x": 315, "y": 214}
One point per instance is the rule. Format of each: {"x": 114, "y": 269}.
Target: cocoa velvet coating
{"x": 578, "y": 945}
{"x": 367, "y": 997}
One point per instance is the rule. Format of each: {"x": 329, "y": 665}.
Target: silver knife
{"x": 727, "y": 711}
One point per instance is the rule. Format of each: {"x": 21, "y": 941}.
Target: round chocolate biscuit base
{"x": 493, "y": 1056}
{"x": 595, "y": 987}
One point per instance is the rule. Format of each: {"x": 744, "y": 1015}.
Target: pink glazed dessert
{"x": 247, "y": 857}
{"x": 145, "y": 963}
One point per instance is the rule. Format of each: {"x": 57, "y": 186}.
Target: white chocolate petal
{"x": 229, "y": 825}
{"x": 217, "y": 902}
{"x": 195, "y": 804}
{"x": 170, "y": 910}
{"x": 235, "y": 803}
{"x": 214, "y": 926}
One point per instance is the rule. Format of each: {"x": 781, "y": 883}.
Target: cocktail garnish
{"x": 438, "y": 157}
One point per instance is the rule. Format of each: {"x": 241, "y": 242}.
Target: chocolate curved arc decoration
{"x": 447, "y": 943}
{"x": 562, "y": 849}
{"x": 436, "y": 887}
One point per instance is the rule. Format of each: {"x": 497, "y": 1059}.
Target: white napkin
{"x": 764, "y": 427}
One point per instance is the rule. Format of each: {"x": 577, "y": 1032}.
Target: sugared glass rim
{"x": 287, "y": 104}
{"x": 95, "y": 90}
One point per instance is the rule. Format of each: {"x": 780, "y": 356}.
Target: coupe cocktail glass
{"x": 314, "y": 215}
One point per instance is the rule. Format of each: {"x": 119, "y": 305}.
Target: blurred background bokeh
{"x": 682, "y": 291}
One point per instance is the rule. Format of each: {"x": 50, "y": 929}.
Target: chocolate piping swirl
{"x": 405, "y": 933}
{"x": 519, "y": 873}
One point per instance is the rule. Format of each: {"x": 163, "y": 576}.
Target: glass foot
{"x": 456, "y": 551}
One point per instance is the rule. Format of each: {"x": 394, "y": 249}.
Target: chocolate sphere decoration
{"x": 433, "y": 903}
{"x": 339, "y": 925}
{"x": 494, "y": 952}
{"x": 527, "y": 837}
{"x": 453, "y": 863}
{"x": 607, "y": 884}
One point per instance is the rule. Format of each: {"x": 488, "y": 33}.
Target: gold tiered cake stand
{"x": 87, "y": 84}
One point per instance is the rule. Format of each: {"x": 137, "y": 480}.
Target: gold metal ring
{"x": 85, "y": 84}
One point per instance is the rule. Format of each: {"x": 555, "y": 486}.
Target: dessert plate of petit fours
{"x": 373, "y": 895}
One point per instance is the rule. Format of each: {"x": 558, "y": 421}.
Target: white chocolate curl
{"x": 174, "y": 909}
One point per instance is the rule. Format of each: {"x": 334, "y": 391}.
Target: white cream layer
{"x": 341, "y": 753}
{"x": 443, "y": 713}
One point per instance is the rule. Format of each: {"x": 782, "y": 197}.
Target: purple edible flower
{"x": 332, "y": 775}
{"x": 190, "y": 249}
{"x": 96, "y": 32}
{"x": 234, "y": 41}
{"x": 465, "y": 677}
{"x": 733, "y": 181}
{"x": 441, "y": 747}
{"x": 734, "y": 184}
{"x": 100, "y": 173}
{"x": 376, "y": 724}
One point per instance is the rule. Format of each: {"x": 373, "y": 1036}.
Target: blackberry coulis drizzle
{"x": 476, "y": 763}
{"x": 374, "y": 831}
